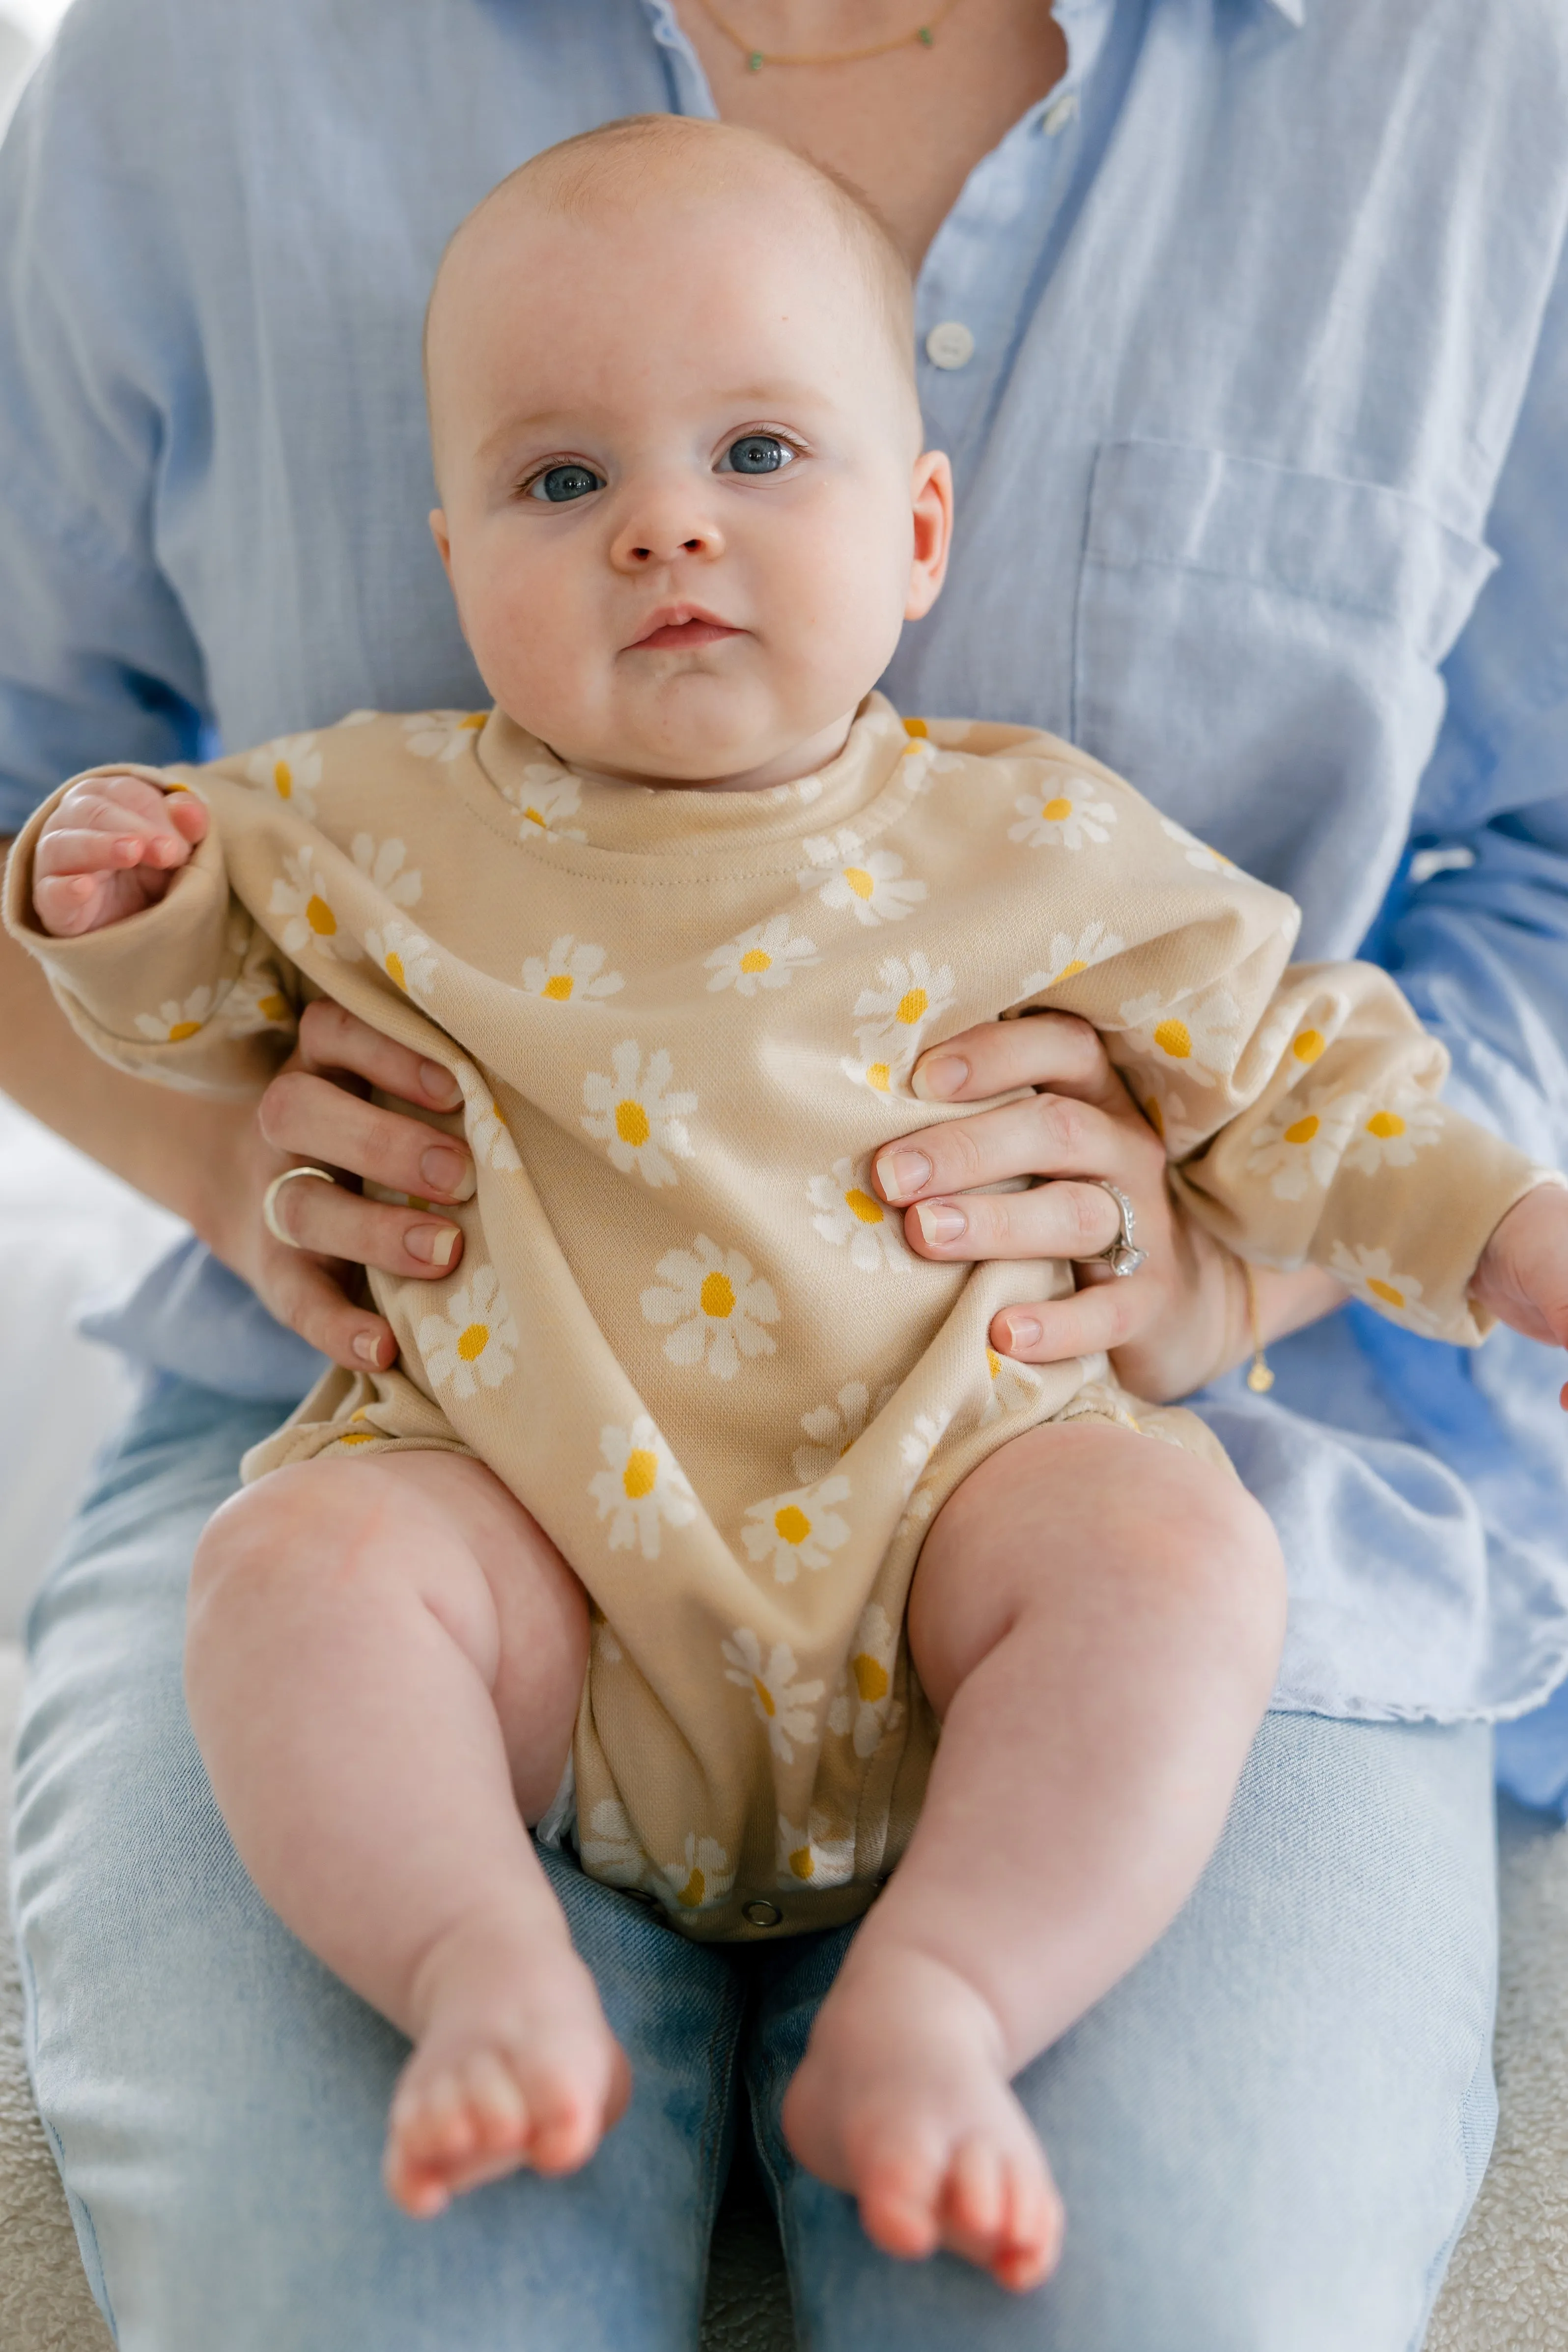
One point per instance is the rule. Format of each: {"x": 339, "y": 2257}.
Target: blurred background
{"x": 69, "y": 1234}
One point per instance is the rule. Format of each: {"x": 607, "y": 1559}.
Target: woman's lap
{"x": 1267, "y": 2135}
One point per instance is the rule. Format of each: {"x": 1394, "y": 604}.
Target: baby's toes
{"x": 899, "y": 2183}
{"x": 570, "y": 2106}
{"x": 496, "y": 2109}
{"x": 1027, "y": 2229}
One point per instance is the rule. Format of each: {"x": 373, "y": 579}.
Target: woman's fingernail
{"x": 1022, "y": 1331}
{"x": 440, "y": 1085}
{"x": 449, "y": 1172}
{"x": 902, "y": 1174}
{"x": 939, "y": 1221}
{"x": 367, "y": 1346}
{"x": 940, "y": 1080}
{"x": 434, "y": 1243}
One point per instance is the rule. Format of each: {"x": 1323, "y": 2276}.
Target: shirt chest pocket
{"x": 1258, "y": 647}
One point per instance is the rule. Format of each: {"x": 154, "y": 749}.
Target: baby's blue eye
{"x": 563, "y": 483}
{"x": 758, "y": 452}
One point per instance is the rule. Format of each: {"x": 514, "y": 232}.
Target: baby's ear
{"x": 443, "y": 539}
{"x": 932, "y": 494}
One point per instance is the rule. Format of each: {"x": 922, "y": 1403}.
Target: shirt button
{"x": 1058, "y": 116}
{"x": 949, "y": 345}
{"x": 762, "y": 1913}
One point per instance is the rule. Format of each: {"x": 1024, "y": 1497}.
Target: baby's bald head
{"x": 681, "y": 167}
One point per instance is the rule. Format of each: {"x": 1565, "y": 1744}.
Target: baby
{"x": 699, "y": 1503}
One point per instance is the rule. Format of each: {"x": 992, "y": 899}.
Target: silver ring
{"x": 270, "y": 1201}
{"x": 1123, "y": 1257}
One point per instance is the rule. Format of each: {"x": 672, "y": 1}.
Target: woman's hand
{"x": 314, "y": 1112}
{"x": 1176, "y": 1323}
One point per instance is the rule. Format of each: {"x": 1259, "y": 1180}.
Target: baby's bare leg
{"x": 383, "y": 1663}
{"x": 1096, "y": 1617}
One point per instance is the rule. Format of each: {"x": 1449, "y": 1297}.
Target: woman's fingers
{"x": 310, "y": 1117}
{"x": 1089, "y": 1322}
{"x": 330, "y": 1221}
{"x": 333, "y": 1039}
{"x": 309, "y": 1297}
{"x": 1063, "y": 1220}
{"x": 1056, "y": 1050}
{"x": 1047, "y": 1135}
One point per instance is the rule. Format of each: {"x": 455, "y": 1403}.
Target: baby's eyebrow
{"x": 779, "y": 398}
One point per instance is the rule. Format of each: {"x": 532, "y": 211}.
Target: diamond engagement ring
{"x": 270, "y": 1201}
{"x": 1123, "y": 1257}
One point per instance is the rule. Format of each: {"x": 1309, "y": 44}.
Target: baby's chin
{"x": 697, "y": 738}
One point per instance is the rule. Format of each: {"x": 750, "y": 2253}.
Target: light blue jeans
{"x": 1267, "y": 2136}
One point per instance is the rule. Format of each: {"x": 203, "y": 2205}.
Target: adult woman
{"x": 1226, "y": 541}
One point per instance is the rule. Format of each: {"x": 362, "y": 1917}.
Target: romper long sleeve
{"x": 685, "y": 1330}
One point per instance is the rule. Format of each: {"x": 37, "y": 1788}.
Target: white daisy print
{"x": 787, "y": 1708}
{"x": 1199, "y": 854}
{"x": 385, "y": 868}
{"x": 470, "y": 1345}
{"x": 178, "y": 1019}
{"x": 300, "y": 895}
{"x": 1014, "y": 1388}
{"x": 443, "y": 735}
{"x": 717, "y": 1306}
{"x": 1298, "y": 1149}
{"x": 703, "y": 1875}
{"x": 767, "y": 956}
{"x": 291, "y": 768}
{"x": 405, "y": 955}
{"x": 869, "y": 884}
{"x": 638, "y": 1117}
{"x": 847, "y": 1210}
{"x": 834, "y": 1429}
{"x": 922, "y": 761}
{"x": 1068, "y": 955}
{"x": 572, "y": 972}
{"x": 799, "y": 1530}
{"x": 489, "y": 1139}
{"x": 1390, "y": 1134}
{"x": 814, "y": 1855}
{"x": 909, "y": 995}
{"x": 543, "y": 798}
{"x": 863, "y": 1707}
{"x": 609, "y": 1846}
{"x": 257, "y": 1002}
{"x": 1198, "y": 1039}
{"x": 1063, "y": 813}
{"x": 643, "y": 1490}
{"x": 915, "y": 1449}
{"x": 1371, "y": 1275}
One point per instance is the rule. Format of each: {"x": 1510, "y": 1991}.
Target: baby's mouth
{"x": 681, "y": 629}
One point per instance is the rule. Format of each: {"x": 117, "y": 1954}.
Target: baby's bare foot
{"x": 513, "y": 2065}
{"x": 902, "y": 2100}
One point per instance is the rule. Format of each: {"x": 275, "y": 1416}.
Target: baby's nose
{"x": 662, "y": 531}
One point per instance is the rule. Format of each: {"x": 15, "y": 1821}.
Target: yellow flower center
{"x": 802, "y": 1862}
{"x": 274, "y": 1007}
{"x": 183, "y": 1029}
{"x": 860, "y": 1204}
{"x": 320, "y": 917}
{"x": 870, "y": 1677}
{"x": 1174, "y": 1037}
{"x": 695, "y": 1888}
{"x": 1386, "y": 1125}
{"x": 558, "y": 987}
{"x": 859, "y": 881}
{"x": 1309, "y": 1045}
{"x": 395, "y": 966}
{"x": 916, "y": 726}
{"x": 994, "y": 1363}
{"x": 534, "y": 818}
{"x": 283, "y": 779}
{"x": 473, "y": 722}
{"x": 1385, "y": 1291}
{"x": 878, "y": 1074}
{"x": 1070, "y": 970}
{"x": 717, "y": 1295}
{"x": 641, "y": 1471}
{"x": 1056, "y": 811}
{"x": 764, "y": 1696}
{"x": 1303, "y": 1130}
{"x": 756, "y": 960}
{"x": 632, "y": 1123}
{"x": 912, "y": 1006}
{"x": 357, "y": 1437}
{"x": 792, "y": 1524}
{"x": 473, "y": 1342}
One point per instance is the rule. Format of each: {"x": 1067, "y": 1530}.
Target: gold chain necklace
{"x": 757, "y": 58}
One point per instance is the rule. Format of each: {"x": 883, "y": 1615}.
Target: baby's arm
{"x": 119, "y": 888}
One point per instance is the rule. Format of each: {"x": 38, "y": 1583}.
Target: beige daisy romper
{"x": 684, "y": 1330}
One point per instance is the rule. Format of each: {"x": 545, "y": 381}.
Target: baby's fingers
{"x": 70, "y": 904}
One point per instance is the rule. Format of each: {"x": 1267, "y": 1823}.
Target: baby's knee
{"x": 1222, "y": 1545}
{"x": 267, "y": 1537}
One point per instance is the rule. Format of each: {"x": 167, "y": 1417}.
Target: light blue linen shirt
{"x": 1262, "y": 457}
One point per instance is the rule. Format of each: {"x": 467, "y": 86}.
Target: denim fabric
{"x": 1268, "y": 2133}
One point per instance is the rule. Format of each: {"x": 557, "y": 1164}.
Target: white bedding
{"x": 68, "y": 1232}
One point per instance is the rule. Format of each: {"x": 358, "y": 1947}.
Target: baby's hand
{"x": 1522, "y": 1277}
{"x": 109, "y": 850}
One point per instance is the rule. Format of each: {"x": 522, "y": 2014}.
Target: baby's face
{"x": 684, "y": 508}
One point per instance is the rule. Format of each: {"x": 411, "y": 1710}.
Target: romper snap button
{"x": 762, "y": 1913}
